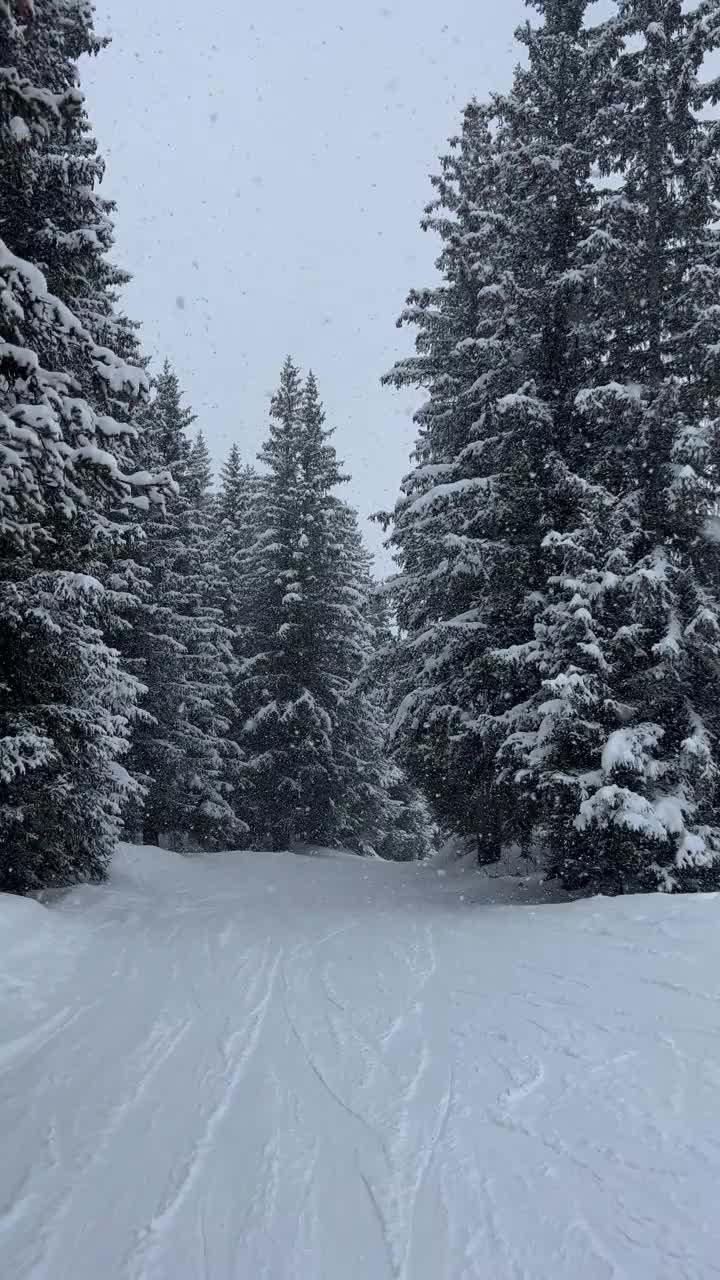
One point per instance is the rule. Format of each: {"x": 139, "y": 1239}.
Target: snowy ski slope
{"x": 271, "y": 1067}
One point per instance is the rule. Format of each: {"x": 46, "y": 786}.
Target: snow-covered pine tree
{"x": 64, "y": 704}
{"x": 57, "y": 217}
{"x": 179, "y": 645}
{"x": 398, "y": 825}
{"x": 440, "y": 689}
{"x": 312, "y": 735}
{"x": 363, "y": 808}
{"x": 57, "y": 220}
{"x": 282, "y": 696}
{"x": 231, "y": 495}
{"x": 633, "y": 771}
{"x": 236, "y": 479}
{"x": 551, "y": 669}
{"x": 404, "y": 830}
{"x": 233, "y": 535}
{"x": 66, "y": 708}
{"x": 200, "y": 473}
{"x": 337, "y": 585}
{"x": 210, "y": 667}
{"x": 502, "y": 348}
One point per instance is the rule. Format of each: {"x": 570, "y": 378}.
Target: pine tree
{"x": 54, "y": 214}
{"x": 546, "y": 660}
{"x": 398, "y": 825}
{"x": 502, "y": 347}
{"x": 634, "y": 800}
{"x": 179, "y": 646}
{"x": 404, "y": 831}
{"x": 363, "y": 803}
{"x": 57, "y": 220}
{"x": 571, "y": 555}
{"x": 65, "y": 716}
{"x": 65, "y": 707}
{"x": 312, "y": 734}
{"x": 235, "y": 488}
{"x": 210, "y": 667}
{"x": 233, "y": 536}
{"x": 440, "y": 688}
{"x": 285, "y": 721}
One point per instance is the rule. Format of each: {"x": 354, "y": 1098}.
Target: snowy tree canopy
{"x": 555, "y": 585}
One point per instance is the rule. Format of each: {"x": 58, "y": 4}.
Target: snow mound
{"x": 322, "y": 851}
{"x": 23, "y": 922}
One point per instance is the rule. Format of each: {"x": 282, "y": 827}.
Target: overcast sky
{"x": 271, "y": 161}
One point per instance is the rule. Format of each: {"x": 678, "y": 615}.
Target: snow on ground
{"x": 269, "y": 1067}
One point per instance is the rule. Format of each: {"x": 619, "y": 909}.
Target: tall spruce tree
{"x": 235, "y": 493}
{"x": 439, "y": 594}
{"x": 571, "y": 556}
{"x": 233, "y": 535}
{"x": 178, "y": 645}
{"x": 546, "y": 141}
{"x": 54, "y": 214}
{"x": 57, "y": 217}
{"x": 625, "y": 748}
{"x": 362, "y": 802}
{"x": 310, "y": 731}
{"x": 283, "y": 697}
{"x": 65, "y": 706}
{"x": 57, "y": 220}
{"x": 501, "y": 348}
{"x": 398, "y": 823}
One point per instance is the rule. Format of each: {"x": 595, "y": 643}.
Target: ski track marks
{"x": 263, "y": 1067}
{"x": 236, "y": 1050}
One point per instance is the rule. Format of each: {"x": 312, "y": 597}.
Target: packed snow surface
{"x": 272, "y": 1067}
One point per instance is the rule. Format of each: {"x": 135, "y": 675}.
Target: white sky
{"x": 270, "y": 162}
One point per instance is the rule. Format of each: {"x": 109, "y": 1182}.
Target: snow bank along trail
{"x": 271, "y": 1067}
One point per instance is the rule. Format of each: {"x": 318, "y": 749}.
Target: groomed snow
{"x": 256, "y": 1066}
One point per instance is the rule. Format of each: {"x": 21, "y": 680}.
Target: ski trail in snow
{"x": 40, "y": 1038}
{"x": 316, "y": 943}
{"x": 316, "y": 1071}
{"x": 423, "y": 1168}
{"x": 378, "y": 1213}
{"x": 278, "y": 1068}
{"x": 21, "y": 1202}
{"x": 153, "y": 1055}
{"x": 152, "y": 1238}
{"x": 395, "y": 1150}
{"x": 523, "y": 1088}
